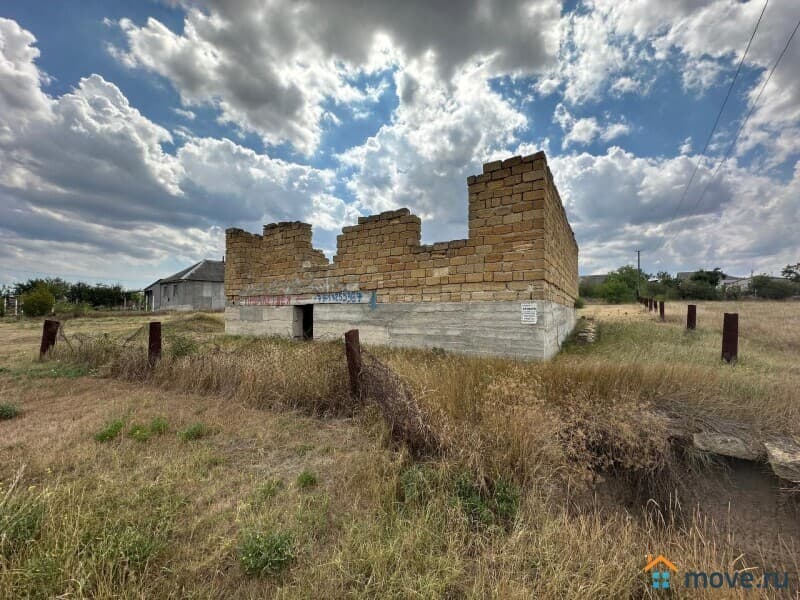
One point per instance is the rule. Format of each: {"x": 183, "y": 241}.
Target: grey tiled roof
{"x": 205, "y": 270}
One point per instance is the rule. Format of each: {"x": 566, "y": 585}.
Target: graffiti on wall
{"x": 282, "y": 300}
{"x": 343, "y": 297}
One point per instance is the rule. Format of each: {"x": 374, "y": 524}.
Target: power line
{"x": 749, "y": 114}
{"x": 719, "y": 115}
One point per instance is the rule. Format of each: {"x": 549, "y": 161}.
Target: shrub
{"x": 615, "y": 291}
{"x": 194, "y": 432}
{"x": 732, "y": 292}
{"x": 41, "y": 577}
{"x": 266, "y": 553}
{"x": 306, "y": 479}
{"x": 763, "y": 286}
{"x": 505, "y": 500}
{"x": 696, "y": 289}
{"x": 416, "y": 483}
{"x": 38, "y": 302}
{"x": 587, "y": 290}
{"x": 268, "y": 490}
{"x": 64, "y": 370}
{"x": 140, "y": 433}
{"x": 180, "y": 345}
{"x": 471, "y": 500}
{"x": 656, "y": 289}
{"x": 496, "y": 505}
{"x": 110, "y": 431}
{"x": 70, "y": 309}
{"x": 136, "y": 547}
{"x": 8, "y": 411}
{"x": 130, "y": 547}
{"x": 159, "y": 426}
{"x": 579, "y": 303}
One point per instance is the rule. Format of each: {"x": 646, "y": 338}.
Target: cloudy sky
{"x": 133, "y": 133}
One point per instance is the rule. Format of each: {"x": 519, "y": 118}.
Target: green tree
{"x": 55, "y": 285}
{"x": 79, "y": 292}
{"x": 135, "y": 298}
{"x": 587, "y": 290}
{"x": 764, "y": 286}
{"x": 710, "y": 277}
{"x": 615, "y": 291}
{"x": 666, "y": 279}
{"x": 105, "y": 295}
{"x": 38, "y": 302}
{"x": 665, "y": 286}
{"x": 629, "y": 275}
{"x": 620, "y": 285}
{"x": 792, "y": 272}
{"x": 698, "y": 289}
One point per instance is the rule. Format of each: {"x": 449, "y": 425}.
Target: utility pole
{"x": 639, "y": 272}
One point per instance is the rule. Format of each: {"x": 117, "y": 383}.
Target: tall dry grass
{"x": 582, "y": 438}
{"x": 608, "y": 407}
{"x": 685, "y": 370}
{"x": 265, "y": 373}
{"x": 498, "y": 418}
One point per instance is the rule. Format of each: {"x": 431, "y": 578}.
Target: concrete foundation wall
{"x": 477, "y": 328}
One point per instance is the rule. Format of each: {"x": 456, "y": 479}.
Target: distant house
{"x": 737, "y": 282}
{"x": 743, "y": 283}
{"x": 199, "y": 287}
{"x": 725, "y": 281}
{"x": 10, "y": 304}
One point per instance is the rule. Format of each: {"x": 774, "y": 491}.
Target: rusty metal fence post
{"x": 352, "y": 350}
{"x": 730, "y": 337}
{"x": 661, "y": 310}
{"x": 691, "y": 316}
{"x": 49, "y": 332}
{"x": 154, "y": 343}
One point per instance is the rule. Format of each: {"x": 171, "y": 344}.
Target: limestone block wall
{"x": 515, "y": 207}
{"x": 520, "y": 247}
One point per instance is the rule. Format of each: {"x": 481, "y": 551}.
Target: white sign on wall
{"x": 529, "y": 312}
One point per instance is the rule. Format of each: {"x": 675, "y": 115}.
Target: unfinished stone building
{"x": 508, "y": 289}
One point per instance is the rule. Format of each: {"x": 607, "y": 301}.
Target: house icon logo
{"x": 660, "y": 568}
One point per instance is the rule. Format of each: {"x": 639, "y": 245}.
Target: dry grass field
{"x": 241, "y": 467}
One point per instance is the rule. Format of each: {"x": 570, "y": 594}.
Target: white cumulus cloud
{"x": 269, "y": 67}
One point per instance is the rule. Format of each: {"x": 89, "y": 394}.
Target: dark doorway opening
{"x": 308, "y": 321}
